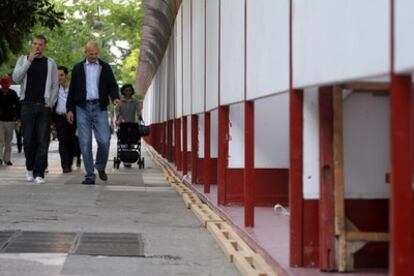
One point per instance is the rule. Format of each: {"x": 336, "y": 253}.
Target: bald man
{"x": 92, "y": 85}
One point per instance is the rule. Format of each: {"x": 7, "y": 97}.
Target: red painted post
{"x": 194, "y": 148}
{"x": 402, "y": 163}
{"x": 223, "y": 149}
{"x": 326, "y": 165}
{"x": 295, "y": 178}
{"x": 184, "y": 153}
{"x": 207, "y": 149}
{"x": 178, "y": 144}
{"x": 170, "y": 140}
{"x": 249, "y": 192}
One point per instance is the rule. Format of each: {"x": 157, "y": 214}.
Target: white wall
{"x": 271, "y": 137}
{"x": 236, "y": 131}
{"x": 214, "y": 134}
{"x": 311, "y": 176}
{"x": 366, "y": 120}
{"x": 232, "y": 51}
{"x": 178, "y": 65}
{"x": 186, "y": 6}
{"x": 339, "y": 40}
{"x": 212, "y": 57}
{"x": 189, "y": 133}
{"x": 201, "y": 131}
{"x": 198, "y": 58}
{"x": 267, "y": 47}
{"x": 404, "y": 42}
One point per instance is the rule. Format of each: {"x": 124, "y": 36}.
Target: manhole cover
{"x": 110, "y": 244}
{"x": 40, "y": 242}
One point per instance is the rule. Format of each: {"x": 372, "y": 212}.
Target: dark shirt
{"x": 9, "y": 106}
{"x": 36, "y": 81}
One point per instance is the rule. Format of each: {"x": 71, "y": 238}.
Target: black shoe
{"x": 127, "y": 165}
{"x": 103, "y": 176}
{"x": 8, "y": 163}
{"x": 88, "y": 181}
{"x": 66, "y": 170}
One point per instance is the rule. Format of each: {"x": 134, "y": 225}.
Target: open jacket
{"x": 52, "y": 80}
{"x": 107, "y": 86}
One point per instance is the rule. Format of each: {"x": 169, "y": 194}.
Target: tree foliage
{"x": 115, "y": 25}
{"x": 17, "y": 19}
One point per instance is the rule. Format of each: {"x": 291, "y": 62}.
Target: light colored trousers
{"x": 6, "y": 136}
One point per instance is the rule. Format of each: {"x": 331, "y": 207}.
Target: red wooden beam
{"x": 194, "y": 148}
{"x": 402, "y": 163}
{"x": 184, "y": 152}
{"x": 295, "y": 178}
{"x": 207, "y": 154}
{"x": 177, "y": 133}
{"x": 249, "y": 192}
{"x": 326, "y": 201}
{"x": 223, "y": 150}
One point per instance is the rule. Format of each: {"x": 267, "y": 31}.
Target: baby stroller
{"x": 128, "y": 145}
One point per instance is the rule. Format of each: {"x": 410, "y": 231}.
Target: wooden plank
{"x": 190, "y": 199}
{"x": 367, "y": 236}
{"x": 204, "y": 214}
{"x": 228, "y": 240}
{"x": 339, "y": 193}
{"x": 367, "y": 86}
{"x": 252, "y": 266}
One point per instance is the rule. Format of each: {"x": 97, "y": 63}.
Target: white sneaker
{"x": 29, "y": 176}
{"x": 39, "y": 180}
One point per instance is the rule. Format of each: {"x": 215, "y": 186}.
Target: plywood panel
{"x": 232, "y": 51}
{"x": 212, "y": 58}
{"x": 198, "y": 54}
{"x": 310, "y": 144}
{"x": 179, "y": 65}
{"x": 339, "y": 40}
{"x": 404, "y": 42}
{"x": 271, "y": 122}
{"x": 267, "y": 47}
{"x": 186, "y": 6}
{"x": 366, "y": 145}
{"x": 236, "y": 143}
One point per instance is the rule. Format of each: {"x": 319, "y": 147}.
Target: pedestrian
{"x": 38, "y": 76}
{"x": 129, "y": 111}
{"x": 9, "y": 118}
{"x": 92, "y": 84}
{"x": 65, "y": 131}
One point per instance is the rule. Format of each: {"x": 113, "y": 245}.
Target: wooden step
{"x": 190, "y": 199}
{"x": 252, "y": 265}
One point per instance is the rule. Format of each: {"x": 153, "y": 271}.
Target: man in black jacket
{"x": 9, "y": 115}
{"x": 92, "y": 84}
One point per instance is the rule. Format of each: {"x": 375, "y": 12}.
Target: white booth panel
{"x": 404, "y": 42}
{"x": 214, "y": 134}
{"x": 366, "y": 127}
{"x": 311, "y": 144}
{"x": 267, "y": 47}
{"x": 339, "y": 40}
{"x": 232, "y": 52}
{"x": 178, "y": 66}
{"x": 212, "y": 49}
{"x": 188, "y": 133}
{"x": 198, "y": 56}
{"x": 271, "y": 131}
{"x": 186, "y": 5}
{"x": 201, "y": 131}
{"x": 236, "y": 131}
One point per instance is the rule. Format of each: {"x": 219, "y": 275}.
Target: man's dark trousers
{"x": 66, "y": 137}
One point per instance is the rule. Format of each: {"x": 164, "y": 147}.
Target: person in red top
{"x": 9, "y": 116}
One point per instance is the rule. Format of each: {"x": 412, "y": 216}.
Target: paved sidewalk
{"x": 132, "y": 201}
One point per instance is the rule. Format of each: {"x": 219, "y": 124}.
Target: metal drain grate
{"x": 110, "y": 244}
{"x": 40, "y": 242}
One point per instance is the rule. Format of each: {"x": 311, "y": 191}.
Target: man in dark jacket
{"x": 92, "y": 84}
{"x": 9, "y": 115}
